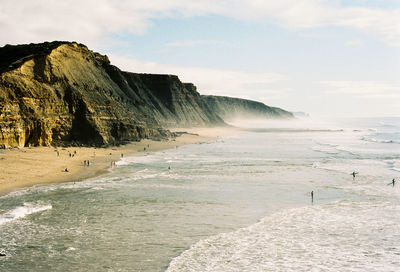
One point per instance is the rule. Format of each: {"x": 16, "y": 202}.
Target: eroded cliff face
{"x": 229, "y": 108}
{"x": 62, "y": 93}
{"x": 171, "y": 102}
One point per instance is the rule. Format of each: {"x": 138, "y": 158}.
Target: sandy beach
{"x": 24, "y": 167}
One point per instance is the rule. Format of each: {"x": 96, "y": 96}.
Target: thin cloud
{"x": 90, "y": 21}
{"x": 354, "y": 43}
{"x": 207, "y": 80}
{"x": 191, "y": 43}
{"x": 362, "y": 89}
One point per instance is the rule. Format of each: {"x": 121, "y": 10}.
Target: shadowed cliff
{"x": 229, "y": 108}
{"x": 61, "y": 93}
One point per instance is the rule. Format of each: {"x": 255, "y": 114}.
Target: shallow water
{"x": 239, "y": 204}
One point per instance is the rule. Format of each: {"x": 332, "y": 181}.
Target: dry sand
{"x": 24, "y": 167}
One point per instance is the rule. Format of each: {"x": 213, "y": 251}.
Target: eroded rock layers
{"x": 62, "y": 93}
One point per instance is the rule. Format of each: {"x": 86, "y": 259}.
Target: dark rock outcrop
{"x": 61, "y": 93}
{"x": 229, "y": 108}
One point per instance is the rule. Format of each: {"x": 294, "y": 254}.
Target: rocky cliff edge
{"x": 61, "y": 93}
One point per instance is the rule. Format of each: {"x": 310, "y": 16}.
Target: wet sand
{"x": 24, "y": 167}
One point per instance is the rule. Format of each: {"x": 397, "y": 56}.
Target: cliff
{"x": 61, "y": 93}
{"x": 229, "y": 108}
{"x": 171, "y": 102}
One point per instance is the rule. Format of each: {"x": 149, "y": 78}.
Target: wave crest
{"x": 22, "y": 211}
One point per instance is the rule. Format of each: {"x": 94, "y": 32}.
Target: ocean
{"x": 241, "y": 203}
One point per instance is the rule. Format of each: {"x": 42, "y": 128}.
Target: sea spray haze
{"x": 241, "y": 203}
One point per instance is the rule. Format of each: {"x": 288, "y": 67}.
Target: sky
{"x": 333, "y": 58}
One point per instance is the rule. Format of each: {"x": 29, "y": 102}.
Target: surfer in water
{"x": 312, "y": 197}
{"x": 354, "y": 174}
{"x": 393, "y": 182}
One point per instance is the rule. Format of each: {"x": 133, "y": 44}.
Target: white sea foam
{"x": 372, "y": 168}
{"x": 22, "y": 211}
{"x": 325, "y": 149}
{"x": 383, "y": 141}
{"x": 344, "y": 236}
{"x": 145, "y": 158}
{"x": 394, "y": 165}
{"x": 123, "y": 162}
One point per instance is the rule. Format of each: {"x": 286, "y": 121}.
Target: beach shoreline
{"x": 25, "y": 167}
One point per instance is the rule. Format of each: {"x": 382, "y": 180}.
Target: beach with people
{"x": 29, "y": 166}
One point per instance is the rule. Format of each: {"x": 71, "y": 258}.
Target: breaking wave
{"x": 22, "y": 211}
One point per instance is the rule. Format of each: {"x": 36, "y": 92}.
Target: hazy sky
{"x": 327, "y": 58}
